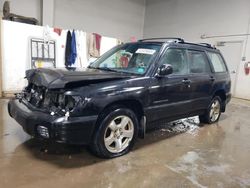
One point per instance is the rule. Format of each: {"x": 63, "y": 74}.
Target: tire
{"x": 116, "y": 133}
{"x": 213, "y": 113}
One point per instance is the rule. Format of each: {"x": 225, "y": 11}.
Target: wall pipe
{"x": 233, "y": 35}
{"x": 222, "y": 36}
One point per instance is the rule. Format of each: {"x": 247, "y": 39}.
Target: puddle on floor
{"x": 189, "y": 125}
{"x": 198, "y": 168}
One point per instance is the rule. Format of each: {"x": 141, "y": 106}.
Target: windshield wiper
{"x": 103, "y": 68}
{"x": 112, "y": 70}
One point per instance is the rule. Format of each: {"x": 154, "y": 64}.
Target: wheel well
{"x": 222, "y": 95}
{"x": 133, "y": 105}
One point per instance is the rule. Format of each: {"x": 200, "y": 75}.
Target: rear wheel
{"x": 118, "y": 129}
{"x": 213, "y": 113}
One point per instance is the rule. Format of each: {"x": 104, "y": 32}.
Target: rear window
{"x": 217, "y": 62}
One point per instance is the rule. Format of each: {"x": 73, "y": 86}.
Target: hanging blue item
{"x": 73, "y": 53}
{"x": 68, "y": 49}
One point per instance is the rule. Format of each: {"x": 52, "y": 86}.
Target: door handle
{"x": 233, "y": 72}
{"x": 186, "y": 81}
{"x": 212, "y": 78}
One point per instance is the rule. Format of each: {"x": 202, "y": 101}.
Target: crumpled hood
{"x": 61, "y": 78}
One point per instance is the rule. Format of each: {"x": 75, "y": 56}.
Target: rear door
{"x": 201, "y": 78}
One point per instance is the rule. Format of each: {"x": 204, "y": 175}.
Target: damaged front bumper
{"x": 71, "y": 130}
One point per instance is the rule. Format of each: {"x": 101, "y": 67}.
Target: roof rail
{"x": 164, "y": 38}
{"x": 201, "y": 44}
{"x": 206, "y": 44}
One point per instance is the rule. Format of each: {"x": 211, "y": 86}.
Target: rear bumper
{"x": 227, "y": 100}
{"x": 74, "y": 130}
{"x": 228, "y": 97}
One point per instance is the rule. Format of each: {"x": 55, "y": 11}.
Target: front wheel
{"x": 118, "y": 129}
{"x": 213, "y": 113}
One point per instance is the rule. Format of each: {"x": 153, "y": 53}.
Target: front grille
{"x": 41, "y": 97}
{"x": 34, "y": 95}
{"x": 51, "y": 101}
{"x": 44, "y": 99}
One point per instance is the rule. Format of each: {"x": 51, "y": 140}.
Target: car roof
{"x": 179, "y": 42}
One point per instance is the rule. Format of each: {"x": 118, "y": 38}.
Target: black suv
{"x": 112, "y": 102}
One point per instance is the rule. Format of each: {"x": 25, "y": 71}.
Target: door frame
{"x": 221, "y": 43}
{"x": 1, "y": 75}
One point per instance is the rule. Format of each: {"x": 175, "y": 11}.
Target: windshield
{"x": 132, "y": 58}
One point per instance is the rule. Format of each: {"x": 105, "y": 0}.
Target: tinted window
{"x": 217, "y": 62}
{"x": 177, "y": 59}
{"x": 198, "y": 62}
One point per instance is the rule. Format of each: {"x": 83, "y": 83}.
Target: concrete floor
{"x": 182, "y": 156}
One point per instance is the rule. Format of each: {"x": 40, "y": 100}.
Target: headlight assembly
{"x": 71, "y": 102}
{"x": 68, "y": 102}
{"x": 65, "y": 103}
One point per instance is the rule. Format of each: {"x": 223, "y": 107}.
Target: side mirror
{"x": 164, "y": 70}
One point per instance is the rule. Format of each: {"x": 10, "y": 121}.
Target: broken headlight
{"x": 60, "y": 103}
{"x": 68, "y": 102}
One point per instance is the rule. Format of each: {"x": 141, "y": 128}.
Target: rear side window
{"x": 198, "y": 62}
{"x": 217, "y": 62}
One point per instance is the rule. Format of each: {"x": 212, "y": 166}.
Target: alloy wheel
{"x": 118, "y": 134}
{"x": 215, "y": 110}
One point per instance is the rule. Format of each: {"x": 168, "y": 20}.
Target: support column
{"x": 1, "y": 73}
{"x": 48, "y": 12}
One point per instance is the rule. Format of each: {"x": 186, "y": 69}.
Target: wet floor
{"x": 183, "y": 155}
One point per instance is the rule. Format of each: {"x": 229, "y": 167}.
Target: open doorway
{"x": 232, "y": 51}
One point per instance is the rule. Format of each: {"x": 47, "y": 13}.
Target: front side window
{"x": 217, "y": 62}
{"x": 198, "y": 62}
{"x": 129, "y": 58}
{"x": 177, "y": 59}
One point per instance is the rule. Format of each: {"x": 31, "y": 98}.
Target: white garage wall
{"x": 16, "y": 51}
{"x": 29, "y": 8}
{"x": 116, "y": 18}
{"x": 190, "y": 19}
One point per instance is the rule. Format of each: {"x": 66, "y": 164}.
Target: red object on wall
{"x": 247, "y": 68}
{"x": 98, "y": 41}
{"x": 133, "y": 39}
